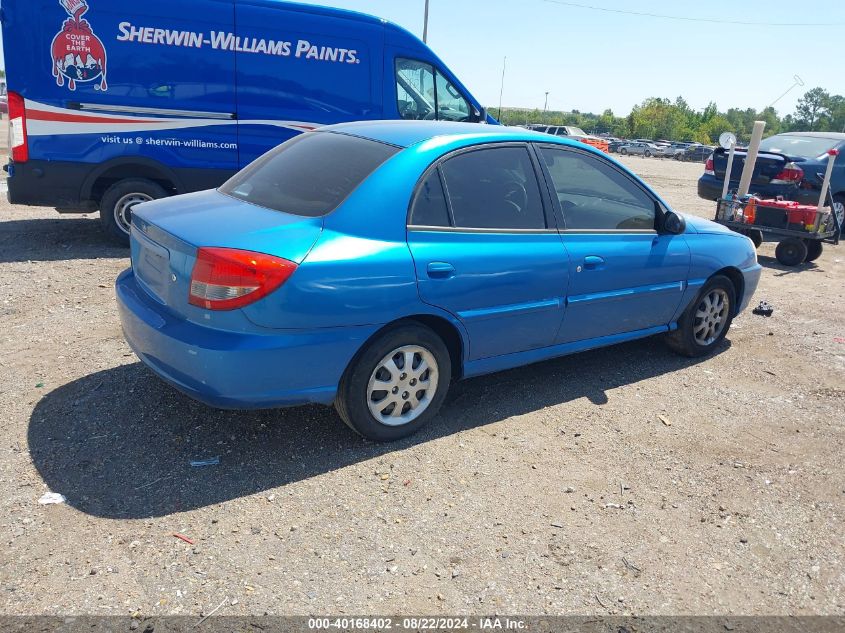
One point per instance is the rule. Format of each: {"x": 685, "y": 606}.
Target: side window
{"x": 594, "y": 195}
{"x": 494, "y": 189}
{"x": 415, "y": 91}
{"x": 430, "y": 208}
{"x": 451, "y": 104}
{"x": 423, "y": 93}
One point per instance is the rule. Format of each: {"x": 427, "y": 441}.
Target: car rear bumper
{"x": 236, "y": 370}
{"x": 710, "y": 188}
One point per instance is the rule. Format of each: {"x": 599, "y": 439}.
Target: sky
{"x": 590, "y": 60}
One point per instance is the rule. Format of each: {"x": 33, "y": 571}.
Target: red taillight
{"x": 18, "y": 142}
{"x": 229, "y": 278}
{"x": 708, "y": 166}
{"x": 790, "y": 175}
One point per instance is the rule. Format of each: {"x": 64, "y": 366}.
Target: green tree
{"x": 812, "y": 108}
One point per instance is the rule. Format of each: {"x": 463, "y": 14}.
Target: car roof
{"x": 408, "y": 133}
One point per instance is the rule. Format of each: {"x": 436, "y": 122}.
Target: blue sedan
{"x": 370, "y": 264}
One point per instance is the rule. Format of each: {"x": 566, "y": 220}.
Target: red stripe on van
{"x": 40, "y": 115}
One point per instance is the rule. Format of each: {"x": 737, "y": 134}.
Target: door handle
{"x": 591, "y": 262}
{"x": 440, "y": 270}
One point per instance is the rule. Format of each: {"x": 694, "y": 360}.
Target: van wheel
{"x": 116, "y": 205}
{"x": 396, "y": 384}
{"x": 707, "y": 319}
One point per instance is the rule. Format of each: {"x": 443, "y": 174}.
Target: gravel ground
{"x": 625, "y": 480}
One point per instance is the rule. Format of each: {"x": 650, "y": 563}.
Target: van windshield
{"x": 310, "y": 175}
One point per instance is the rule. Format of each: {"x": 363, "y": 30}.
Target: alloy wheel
{"x": 711, "y": 316}
{"x": 402, "y": 385}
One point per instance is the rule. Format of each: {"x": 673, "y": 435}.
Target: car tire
{"x": 623, "y": 151}
{"x": 839, "y": 209}
{"x": 358, "y": 399}
{"x": 116, "y": 205}
{"x": 706, "y": 321}
{"x": 791, "y": 251}
{"x": 647, "y": 154}
{"x": 814, "y": 250}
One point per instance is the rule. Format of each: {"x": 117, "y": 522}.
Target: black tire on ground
{"x": 647, "y": 154}
{"x": 839, "y": 209}
{"x": 814, "y": 250}
{"x": 623, "y": 151}
{"x": 353, "y": 396}
{"x": 791, "y": 251}
{"x": 118, "y": 200}
{"x": 684, "y": 340}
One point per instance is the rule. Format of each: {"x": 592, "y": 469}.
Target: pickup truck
{"x": 575, "y": 133}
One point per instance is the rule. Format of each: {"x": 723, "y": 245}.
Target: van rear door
{"x": 300, "y": 68}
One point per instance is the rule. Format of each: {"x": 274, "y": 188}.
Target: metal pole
{"x": 831, "y": 156}
{"x": 425, "y": 24}
{"x": 545, "y": 106}
{"x": 502, "y": 88}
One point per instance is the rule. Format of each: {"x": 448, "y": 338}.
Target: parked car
{"x": 143, "y": 100}
{"x": 613, "y": 146}
{"x": 574, "y": 133}
{"x": 674, "y": 150}
{"x": 791, "y": 165}
{"x": 698, "y": 153}
{"x": 364, "y": 266}
{"x": 642, "y": 149}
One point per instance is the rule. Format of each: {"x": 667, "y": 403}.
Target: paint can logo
{"x": 78, "y": 55}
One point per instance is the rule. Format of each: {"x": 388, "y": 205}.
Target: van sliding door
{"x": 301, "y": 69}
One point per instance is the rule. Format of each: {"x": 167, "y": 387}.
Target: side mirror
{"x": 674, "y": 223}
{"x": 480, "y": 116}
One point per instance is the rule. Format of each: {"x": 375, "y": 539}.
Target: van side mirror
{"x": 674, "y": 223}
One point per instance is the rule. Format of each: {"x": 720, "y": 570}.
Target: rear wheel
{"x": 396, "y": 385}
{"x": 647, "y": 154}
{"x": 791, "y": 252}
{"x": 116, "y": 205}
{"x": 623, "y": 151}
{"x": 707, "y": 319}
{"x": 839, "y": 208}
{"x": 755, "y": 236}
{"x": 814, "y": 250}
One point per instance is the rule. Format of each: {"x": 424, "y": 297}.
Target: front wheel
{"x": 396, "y": 384}
{"x": 623, "y": 151}
{"x": 706, "y": 321}
{"x": 116, "y": 205}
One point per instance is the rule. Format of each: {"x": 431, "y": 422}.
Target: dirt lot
{"x": 626, "y": 480}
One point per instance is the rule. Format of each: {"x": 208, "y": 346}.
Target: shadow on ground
{"x": 56, "y": 239}
{"x": 773, "y": 264}
{"x": 118, "y": 443}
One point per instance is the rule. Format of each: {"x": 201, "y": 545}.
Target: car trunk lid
{"x": 167, "y": 233}
{"x": 766, "y": 169}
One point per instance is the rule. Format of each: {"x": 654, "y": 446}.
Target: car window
{"x": 430, "y": 208}
{"x": 797, "y": 145}
{"x": 494, "y": 188}
{"x": 309, "y": 175}
{"x": 424, "y": 93}
{"x": 594, "y": 195}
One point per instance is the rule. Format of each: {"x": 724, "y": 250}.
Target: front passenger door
{"x": 625, "y": 275}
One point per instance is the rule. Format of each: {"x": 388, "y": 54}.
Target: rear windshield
{"x": 309, "y": 175}
{"x": 805, "y": 146}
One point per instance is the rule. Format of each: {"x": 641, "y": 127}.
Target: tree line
{"x": 658, "y": 118}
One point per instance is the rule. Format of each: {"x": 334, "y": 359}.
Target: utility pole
{"x": 502, "y": 88}
{"x": 425, "y": 24}
{"x": 545, "y": 106}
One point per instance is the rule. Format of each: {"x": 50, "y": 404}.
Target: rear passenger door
{"x": 486, "y": 248}
{"x": 624, "y": 274}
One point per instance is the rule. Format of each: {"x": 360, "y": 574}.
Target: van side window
{"x": 424, "y": 93}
